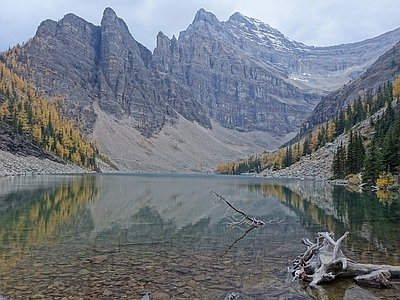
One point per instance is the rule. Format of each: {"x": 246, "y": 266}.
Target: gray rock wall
{"x": 242, "y": 73}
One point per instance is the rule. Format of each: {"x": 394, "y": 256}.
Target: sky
{"x": 312, "y": 22}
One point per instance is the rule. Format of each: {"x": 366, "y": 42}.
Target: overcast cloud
{"x": 313, "y": 22}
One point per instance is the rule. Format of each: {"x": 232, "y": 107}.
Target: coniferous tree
{"x": 390, "y": 151}
{"x": 384, "y": 122}
{"x": 396, "y": 88}
{"x": 350, "y": 155}
{"x": 297, "y": 152}
{"x": 390, "y": 115}
{"x": 360, "y": 152}
{"x": 322, "y": 136}
{"x": 359, "y": 110}
{"x": 331, "y": 131}
{"x": 339, "y": 161}
{"x": 306, "y": 145}
{"x": 373, "y": 164}
{"x": 355, "y": 154}
{"x": 340, "y": 123}
{"x": 336, "y": 163}
{"x": 288, "y": 157}
{"x": 350, "y": 116}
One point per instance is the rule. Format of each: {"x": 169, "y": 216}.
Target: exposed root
{"x": 324, "y": 261}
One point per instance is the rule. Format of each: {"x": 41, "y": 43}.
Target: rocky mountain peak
{"x": 131, "y": 86}
{"x": 46, "y": 28}
{"x": 109, "y": 13}
{"x": 69, "y": 24}
{"x": 72, "y": 18}
{"x": 72, "y": 23}
{"x": 111, "y": 20}
{"x": 204, "y": 16}
{"x": 248, "y": 22}
{"x": 162, "y": 40}
{"x": 260, "y": 37}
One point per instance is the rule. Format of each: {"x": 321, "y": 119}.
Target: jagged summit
{"x": 109, "y": 12}
{"x": 243, "y": 27}
{"x": 110, "y": 18}
{"x": 250, "y": 23}
{"x": 203, "y": 15}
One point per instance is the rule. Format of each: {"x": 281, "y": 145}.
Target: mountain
{"x": 249, "y": 76}
{"x": 386, "y": 68}
{"x": 85, "y": 64}
{"x": 220, "y": 91}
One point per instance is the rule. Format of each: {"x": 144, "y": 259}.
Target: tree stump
{"x": 324, "y": 261}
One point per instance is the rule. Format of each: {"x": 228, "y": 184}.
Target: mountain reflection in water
{"x": 119, "y": 236}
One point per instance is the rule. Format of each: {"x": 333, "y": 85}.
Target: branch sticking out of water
{"x": 251, "y": 221}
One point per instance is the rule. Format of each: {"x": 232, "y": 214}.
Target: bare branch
{"x": 238, "y": 239}
{"x": 246, "y": 219}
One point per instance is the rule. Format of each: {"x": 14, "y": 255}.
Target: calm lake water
{"x": 122, "y": 236}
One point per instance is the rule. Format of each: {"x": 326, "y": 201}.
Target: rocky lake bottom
{"x": 114, "y": 236}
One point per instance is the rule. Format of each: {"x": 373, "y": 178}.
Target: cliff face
{"x": 385, "y": 68}
{"x": 248, "y": 76}
{"x": 241, "y": 73}
{"x": 62, "y": 60}
{"x": 125, "y": 78}
{"x": 238, "y": 92}
{"x": 87, "y": 64}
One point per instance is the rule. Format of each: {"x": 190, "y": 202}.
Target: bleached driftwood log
{"x": 324, "y": 261}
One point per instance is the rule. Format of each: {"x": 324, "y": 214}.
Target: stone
{"x": 358, "y": 293}
{"x": 107, "y": 293}
{"x": 201, "y": 277}
{"x": 98, "y": 259}
{"x": 83, "y": 272}
{"x": 191, "y": 283}
{"x": 379, "y": 278}
{"x": 159, "y": 296}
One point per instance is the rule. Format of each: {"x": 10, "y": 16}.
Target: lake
{"x": 120, "y": 236}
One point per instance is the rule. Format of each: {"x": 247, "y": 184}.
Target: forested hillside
{"x": 378, "y": 154}
{"x": 375, "y": 153}
{"x": 41, "y": 122}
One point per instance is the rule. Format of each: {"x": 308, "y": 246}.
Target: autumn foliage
{"x": 40, "y": 121}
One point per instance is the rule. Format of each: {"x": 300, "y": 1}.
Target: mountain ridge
{"x": 247, "y": 78}
{"x": 385, "y": 68}
{"x": 227, "y": 57}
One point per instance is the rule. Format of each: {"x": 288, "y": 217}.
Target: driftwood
{"x": 253, "y": 222}
{"x": 245, "y": 219}
{"x": 324, "y": 261}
